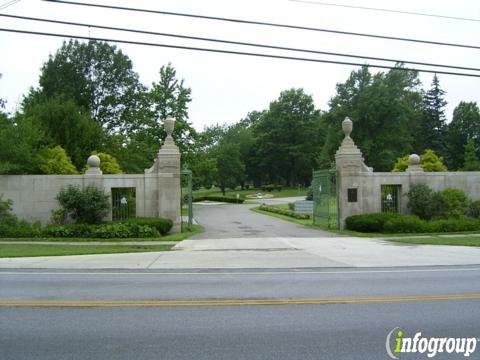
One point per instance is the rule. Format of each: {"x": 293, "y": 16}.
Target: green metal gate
{"x": 124, "y": 203}
{"x": 390, "y": 197}
{"x": 324, "y": 186}
{"x": 187, "y": 200}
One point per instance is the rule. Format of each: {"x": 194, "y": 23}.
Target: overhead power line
{"x": 8, "y": 3}
{"x": 385, "y": 10}
{"x": 261, "y": 23}
{"x": 70, "y": 23}
{"x": 210, "y": 50}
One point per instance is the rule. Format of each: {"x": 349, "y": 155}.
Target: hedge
{"x": 399, "y": 223}
{"x": 131, "y": 228}
{"x": 161, "y": 224}
{"x": 219, "y": 199}
{"x": 285, "y": 212}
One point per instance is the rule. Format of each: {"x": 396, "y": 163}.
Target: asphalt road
{"x": 82, "y": 316}
{"x": 238, "y": 221}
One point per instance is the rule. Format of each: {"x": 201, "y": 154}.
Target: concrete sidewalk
{"x": 240, "y": 253}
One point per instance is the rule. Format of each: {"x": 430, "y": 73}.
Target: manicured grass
{"x": 286, "y": 192}
{"x": 23, "y": 250}
{"x": 468, "y": 240}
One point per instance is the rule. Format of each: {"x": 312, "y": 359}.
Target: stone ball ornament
{"x": 414, "y": 159}
{"x": 93, "y": 161}
{"x": 347, "y": 126}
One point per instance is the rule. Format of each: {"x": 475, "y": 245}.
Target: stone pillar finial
{"x": 93, "y": 165}
{"x": 169, "y": 124}
{"x": 347, "y": 127}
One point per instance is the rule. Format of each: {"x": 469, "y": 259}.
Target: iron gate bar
{"x": 187, "y": 197}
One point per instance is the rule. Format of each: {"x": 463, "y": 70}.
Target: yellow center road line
{"x": 234, "y": 302}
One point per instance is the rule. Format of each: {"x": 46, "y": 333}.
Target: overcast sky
{"x": 226, "y": 87}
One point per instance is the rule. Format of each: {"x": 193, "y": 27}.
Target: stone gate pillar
{"x": 351, "y": 171}
{"x": 167, "y": 169}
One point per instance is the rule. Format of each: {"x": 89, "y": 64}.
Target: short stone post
{"x": 168, "y": 170}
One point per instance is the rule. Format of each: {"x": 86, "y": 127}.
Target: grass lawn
{"x": 286, "y": 192}
{"x": 306, "y": 222}
{"x": 467, "y": 240}
{"x": 22, "y": 250}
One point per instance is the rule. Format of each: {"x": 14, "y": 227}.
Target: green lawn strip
{"x": 286, "y": 192}
{"x": 469, "y": 240}
{"x": 196, "y": 229}
{"x": 24, "y": 250}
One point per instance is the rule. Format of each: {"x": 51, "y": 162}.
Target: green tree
{"x": 21, "y": 139}
{"x": 431, "y": 131}
{"x": 230, "y": 169}
{"x": 465, "y": 125}
{"x": 55, "y": 161}
{"x": 429, "y": 161}
{"x": 287, "y": 138}
{"x": 384, "y": 108}
{"x": 65, "y": 124}
{"x": 108, "y": 163}
{"x": 472, "y": 162}
{"x": 97, "y": 77}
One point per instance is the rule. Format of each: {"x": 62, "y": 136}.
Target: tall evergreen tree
{"x": 432, "y": 128}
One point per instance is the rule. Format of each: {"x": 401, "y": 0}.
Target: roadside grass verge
{"x": 24, "y": 250}
{"x": 467, "y": 240}
{"x": 285, "y": 192}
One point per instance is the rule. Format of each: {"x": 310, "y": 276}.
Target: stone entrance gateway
{"x": 361, "y": 190}
{"x": 156, "y": 193}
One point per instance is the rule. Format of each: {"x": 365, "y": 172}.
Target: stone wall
{"x": 353, "y": 174}
{"x": 158, "y": 190}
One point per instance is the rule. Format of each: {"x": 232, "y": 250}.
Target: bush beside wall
{"x": 399, "y": 223}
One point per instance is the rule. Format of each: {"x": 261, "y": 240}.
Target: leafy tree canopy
{"x": 55, "y": 161}
{"x": 429, "y": 161}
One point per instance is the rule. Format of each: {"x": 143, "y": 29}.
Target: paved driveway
{"x": 238, "y": 221}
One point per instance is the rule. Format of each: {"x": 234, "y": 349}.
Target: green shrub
{"x": 219, "y": 199}
{"x": 453, "y": 203}
{"x": 399, "y": 223}
{"x": 285, "y": 212}
{"x": 11, "y": 227}
{"x": 5, "y": 208}
{"x": 452, "y": 225}
{"x": 422, "y": 201}
{"x": 161, "y": 224}
{"x": 309, "y": 195}
{"x": 104, "y": 231}
{"x": 271, "y": 187}
{"x": 404, "y": 224}
{"x": 88, "y": 205}
{"x": 474, "y": 209}
{"x": 374, "y": 222}
{"x": 291, "y": 206}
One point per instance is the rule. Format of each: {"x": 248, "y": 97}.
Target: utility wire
{"x": 8, "y": 3}
{"x": 210, "y": 50}
{"x": 385, "y": 10}
{"x": 235, "y": 42}
{"x": 251, "y": 22}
